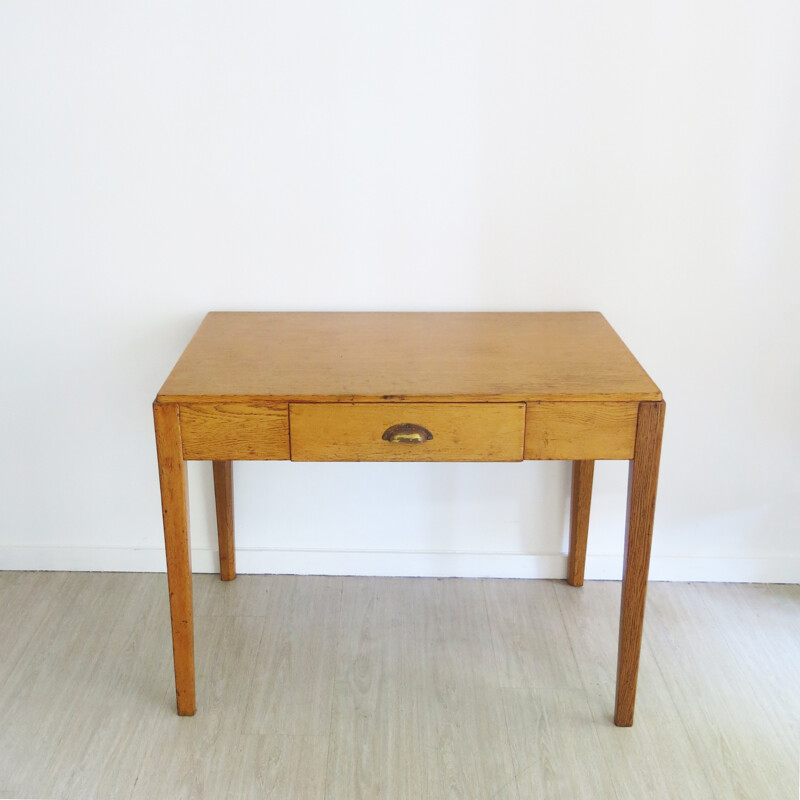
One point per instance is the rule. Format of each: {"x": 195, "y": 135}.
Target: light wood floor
{"x": 394, "y": 688}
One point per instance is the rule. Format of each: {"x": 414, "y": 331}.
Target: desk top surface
{"x": 383, "y": 356}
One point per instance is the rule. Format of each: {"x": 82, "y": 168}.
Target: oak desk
{"x": 409, "y": 387}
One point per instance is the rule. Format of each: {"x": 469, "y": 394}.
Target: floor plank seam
{"x": 492, "y": 634}
{"x": 670, "y": 689}
{"x": 333, "y": 688}
{"x": 569, "y": 633}
{"x": 257, "y": 650}
{"x": 46, "y": 612}
{"x": 585, "y": 686}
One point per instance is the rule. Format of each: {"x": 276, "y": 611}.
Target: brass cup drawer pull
{"x": 407, "y": 433}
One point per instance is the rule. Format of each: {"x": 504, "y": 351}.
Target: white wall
{"x": 161, "y": 159}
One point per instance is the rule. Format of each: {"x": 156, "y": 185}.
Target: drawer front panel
{"x": 580, "y": 431}
{"x": 235, "y": 431}
{"x": 354, "y": 431}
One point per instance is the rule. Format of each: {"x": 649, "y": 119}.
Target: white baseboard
{"x": 386, "y": 563}
{"x": 702, "y": 569}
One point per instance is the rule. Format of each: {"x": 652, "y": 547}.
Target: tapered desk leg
{"x": 223, "y": 492}
{"x": 642, "y": 484}
{"x": 582, "y": 474}
{"x": 172, "y": 474}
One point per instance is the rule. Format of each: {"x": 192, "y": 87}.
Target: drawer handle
{"x": 407, "y": 433}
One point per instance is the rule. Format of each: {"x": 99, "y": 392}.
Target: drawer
{"x": 399, "y": 431}
{"x": 235, "y": 431}
{"x": 580, "y": 431}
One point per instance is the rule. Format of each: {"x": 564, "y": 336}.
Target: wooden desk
{"x": 409, "y": 387}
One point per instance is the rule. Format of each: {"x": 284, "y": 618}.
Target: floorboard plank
{"x": 641, "y": 759}
{"x": 532, "y": 648}
{"x": 742, "y": 753}
{"x": 296, "y": 662}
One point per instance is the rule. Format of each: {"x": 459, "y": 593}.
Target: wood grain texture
{"x": 175, "y": 510}
{"x": 375, "y": 748}
{"x": 582, "y": 476}
{"x": 363, "y": 654}
{"x": 223, "y": 496}
{"x": 374, "y": 357}
{"x": 658, "y": 761}
{"x": 551, "y": 759}
{"x": 729, "y": 676}
{"x": 642, "y": 485}
{"x": 293, "y": 691}
{"x": 96, "y": 644}
{"x": 278, "y": 766}
{"x": 182, "y": 755}
{"x": 235, "y": 431}
{"x": 718, "y": 715}
{"x": 530, "y": 644}
{"x": 21, "y": 595}
{"x": 464, "y": 737}
{"x": 353, "y": 431}
{"x": 580, "y": 431}
{"x": 461, "y": 703}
